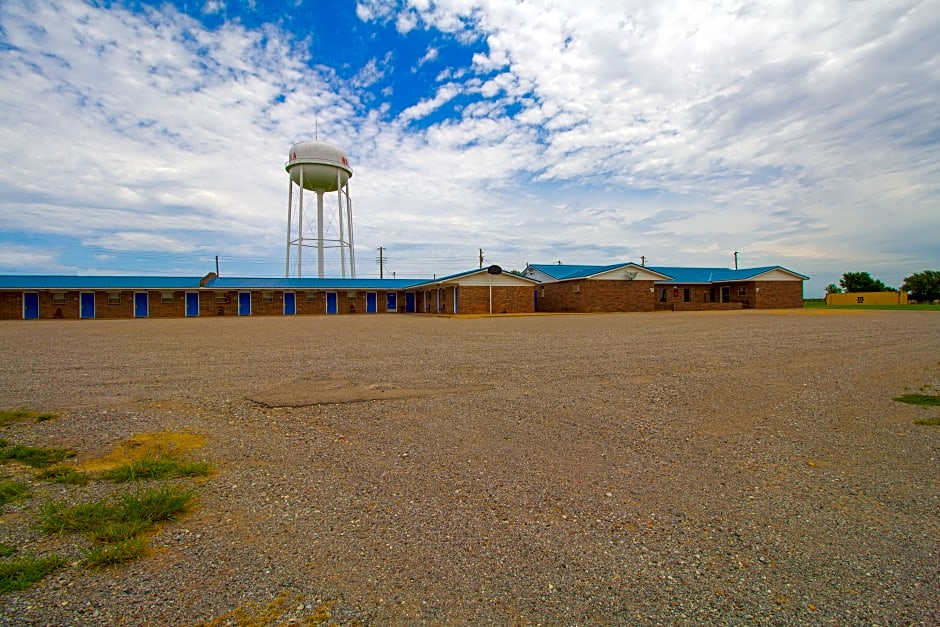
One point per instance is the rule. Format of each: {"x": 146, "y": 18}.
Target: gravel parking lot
{"x": 664, "y": 468}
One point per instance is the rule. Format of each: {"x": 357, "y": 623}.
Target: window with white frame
{"x": 311, "y": 297}
{"x": 114, "y": 298}
{"x": 220, "y": 298}
{"x": 58, "y": 298}
{"x": 267, "y": 297}
{"x": 166, "y": 298}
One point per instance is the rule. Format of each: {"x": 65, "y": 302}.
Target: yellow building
{"x": 867, "y": 298}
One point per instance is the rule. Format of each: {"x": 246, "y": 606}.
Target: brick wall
{"x": 475, "y": 299}
{"x": 779, "y": 295}
{"x": 11, "y": 305}
{"x": 585, "y": 296}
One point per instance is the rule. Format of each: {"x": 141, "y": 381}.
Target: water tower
{"x": 320, "y": 168}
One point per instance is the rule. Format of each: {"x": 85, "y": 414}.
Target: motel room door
{"x": 371, "y": 302}
{"x": 244, "y": 303}
{"x": 30, "y": 305}
{"x": 331, "y": 302}
{"x": 410, "y": 302}
{"x": 87, "y": 305}
{"x": 192, "y": 304}
{"x": 290, "y": 303}
{"x": 391, "y": 301}
{"x": 141, "y": 305}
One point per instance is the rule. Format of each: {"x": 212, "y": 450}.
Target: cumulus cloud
{"x": 679, "y": 130}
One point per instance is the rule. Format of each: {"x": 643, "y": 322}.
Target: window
{"x": 351, "y": 297}
{"x": 166, "y": 298}
{"x": 220, "y": 297}
{"x": 311, "y": 297}
{"x": 58, "y": 298}
{"x": 686, "y": 295}
{"x": 114, "y": 298}
{"x": 267, "y": 297}
{"x": 742, "y": 291}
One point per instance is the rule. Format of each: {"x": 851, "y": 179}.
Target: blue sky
{"x": 147, "y": 138}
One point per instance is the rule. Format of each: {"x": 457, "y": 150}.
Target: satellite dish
{"x": 494, "y": 270}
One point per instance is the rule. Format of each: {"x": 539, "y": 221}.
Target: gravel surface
{"x": 664, "y": 468}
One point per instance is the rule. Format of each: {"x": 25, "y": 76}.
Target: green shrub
{"x": 929, "y": 400}
{"x": 13, "y": 415}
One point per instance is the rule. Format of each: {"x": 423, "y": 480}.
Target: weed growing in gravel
{"x": 34, "y": 456}
{"x": 98, "y": 557}
{"x": 6, "y": 550}
{"x": 928, "y": 400}
{"x": 12, "y": 415}
{"x": 65, "y": 475}
{"x": 114, "y": 519}
{"x": 12, "y": 491}
{"x": 932, "y": 422}
{"x": 156, "y": 468}
{"x": 252, "y": 614}
{"x": 21, "y": 573}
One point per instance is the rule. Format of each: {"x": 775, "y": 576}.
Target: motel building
{"x": 548, "y": 288}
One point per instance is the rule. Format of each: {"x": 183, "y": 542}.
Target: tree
{"x": 923, "y": 286}
{"x": 862, "y": 282}
{"x": 832, "y": 288}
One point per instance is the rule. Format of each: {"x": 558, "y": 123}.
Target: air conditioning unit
{"x": 576, "y": 289}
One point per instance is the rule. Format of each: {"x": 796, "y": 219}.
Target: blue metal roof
{"x": 258, "y": 283}
{"x": 717, "y": 275}
{"x": 565, "y": 271}
{"x": 62, "y": 282}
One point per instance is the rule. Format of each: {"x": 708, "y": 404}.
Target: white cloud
{"x": 803, "y": 135}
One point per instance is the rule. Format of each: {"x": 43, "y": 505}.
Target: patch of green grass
{"x": 56, "y": 518}
{"x": 932, "y": 422}
{"x": 12, "y": 415}
{"x": 98, "y": 557}
{"x": 117, "y": 527}
{"x": 65, "y": 475}
{"x": 34, "y": 456}
{"x": 928, "y": 400}
{"x": 157, "y": 468}
{"x": 112, "y": 519}
{"x": 21, "y": 573}
{"x": 6, "y": 550}
{"x": 156, "y": 504}
{"x": 12, "y": 491}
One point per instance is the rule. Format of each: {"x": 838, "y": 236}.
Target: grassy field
{"x": 821, "y": 304}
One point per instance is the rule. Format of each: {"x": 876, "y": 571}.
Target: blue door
{"x": 410, "y": 302}
{"x": 331, "y": 302}
{"x": 244, "y": 303}
{"x": 372, "y": 305}
{"x": 290, "y": 303}
{"x": 30, "y": 305}
{"x": 192, "y": 304}
{"x": 87, "y": 309}
{"x": 391, "y": 301}
{"x": 141, "y": 305}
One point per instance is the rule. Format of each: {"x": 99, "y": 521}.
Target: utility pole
{"x": 735, "y": 260}
{"x": 643, "y": 260}
{"x": 381, "y": 261}
{"x": 481, "y": 257}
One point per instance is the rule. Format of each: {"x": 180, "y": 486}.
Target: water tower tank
{"x": 325, "y": 167}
